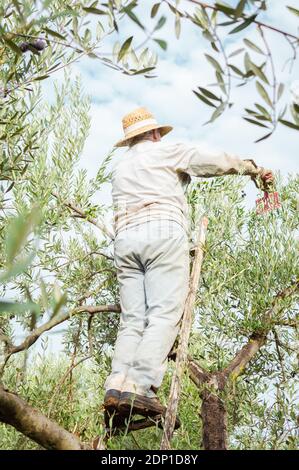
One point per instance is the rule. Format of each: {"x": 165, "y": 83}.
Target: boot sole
{"x": 127, "y": 409}
{"x": 133, "y": 405}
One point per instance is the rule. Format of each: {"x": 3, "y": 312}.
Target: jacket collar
{"x": 142, "y": 145}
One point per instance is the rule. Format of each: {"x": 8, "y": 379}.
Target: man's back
{"x": 149, "y": 183}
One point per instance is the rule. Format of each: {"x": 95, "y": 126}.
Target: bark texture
{"x": 214, "y": 419}
{"x": 33, "y": 424}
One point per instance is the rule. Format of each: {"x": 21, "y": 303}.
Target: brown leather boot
{"x": 130, "y": 403}
{"x": 139, "y": 404}
{"x": 111, "y": 399}
{"x": 113, "y": 418}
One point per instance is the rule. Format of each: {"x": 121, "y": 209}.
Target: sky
{"x": 181, "y": 69}
{"x": 169, "y": 96}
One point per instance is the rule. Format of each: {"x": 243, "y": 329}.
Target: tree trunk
{"x": 214, "y": 422}
{"x": 33, "y": 424}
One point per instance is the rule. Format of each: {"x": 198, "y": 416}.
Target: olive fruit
{"x": 24, "y": 46}
{"x": 39, "y": 44}
{"x": 35, "y": 46}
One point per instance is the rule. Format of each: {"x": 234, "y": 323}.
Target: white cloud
{"x": 180, "y": 70}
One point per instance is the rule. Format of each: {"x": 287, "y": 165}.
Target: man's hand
{"x": 267, "y": 177}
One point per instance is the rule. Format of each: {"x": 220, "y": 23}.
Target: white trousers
{"x": 152, "y": 261}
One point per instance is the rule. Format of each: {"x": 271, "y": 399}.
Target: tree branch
{"x": 197, "y": 374}
{"x": 33, "y": 424}
{"x": 56, "y": 320}
{"x": 200, "y": 376}
{"x": 82, "y": 215}
{"x": 258, "y": 338}
{"x": 244, "y": 356}
{"x": 280, "y": 356}
{"x": 244, "y": 17}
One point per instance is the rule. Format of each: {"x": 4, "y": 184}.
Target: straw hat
{"x": 138, "y": 121}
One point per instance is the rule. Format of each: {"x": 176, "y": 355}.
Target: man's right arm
{"x": 196, "y": 162}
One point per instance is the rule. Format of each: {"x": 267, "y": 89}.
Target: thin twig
{"x": 82, "y": 215}
{"x": 56, "y": 320}
{"x": 58, "y": 387}
{"x": 280, "y": 358}
{"x": 245, "y": 17}
{"x": 74, "y": 355}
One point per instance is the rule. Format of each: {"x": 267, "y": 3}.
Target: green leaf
{"x": 147, "y": 69}
{"x": 59, "y": 304}
{"x": 238, "y": 51}
{"x": 228, "y": 10}
{"x": 214, "y": 17}
{"x": 207, "y": 35}
{"x": 94, "y": 11}
{"x": 54, "y": 33}
{"x": 252, "y": 121}
{"x": 124, "y": 48}
{"x": 162, "y": 43}
{"x": 160, "y": 23}
{"x": 236, "y": 70}
{"x": 41, "y": 77}
{"x": 250, "y": 111}
{"x": 289, "y": 124}
{"x": 201, "y": 18}
{"x": 17, "y": 233}
{"x": 44, "y": 295}
{"x": 177, "y": 26}
{"x": 204, "y": 99}
{"x": 263, "y": 111}
{"x": 18, "y": 307}
{"x": 296, "y": 108}
{"x": 253, "y": 46}
{"x": 243, "y": 25}
{"x": 280, "y": 91}
{"x": 214, "y": 63}
{"x": 55, "y": 66}
{"x": 214, "y": 46}
{"x": 12, "y": 46}
{"x": 216, "y": 113}
{"x": 209, "y": 94}
{"x": 263, "y": 93}
{"x": 264, "y": 137}
{"x": 227, "y": 23}
{"x": 240, "y": 8}
{"x": 92, "y": 55}
{"x": 155, "y": 9}
{"x": 258, "y": 72}
{"x": 247, "y": 62}
{"x": 220, "y": 81}
{"x": 293, "y": 10}
{"x": 133, "y": 17}
{"x": 16, "y": 269}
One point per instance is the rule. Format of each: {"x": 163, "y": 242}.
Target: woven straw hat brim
{"x": 163, "y": 131}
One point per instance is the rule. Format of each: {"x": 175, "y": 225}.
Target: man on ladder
{"x": 151, "y": 253}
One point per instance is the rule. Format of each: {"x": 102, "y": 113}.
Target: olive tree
{"x": 244, "y": 349}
